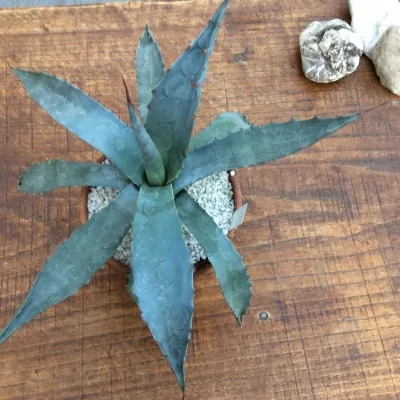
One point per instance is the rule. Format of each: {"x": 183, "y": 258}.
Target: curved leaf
{"x": 152, "y": 161}
{"x": 226, "y": 261}
{"x": 87, "y": 119}
{"x": 175, "y": 100}
{"x": 225, "y": 124}
{"x": 52, "y": 174}
{"x": 163, "y": 274}
{"x": 75, "y": 261}
{"x": 149, "y": 70}
{"x": 151, "y": 157}
{"x": 256, "y": 145}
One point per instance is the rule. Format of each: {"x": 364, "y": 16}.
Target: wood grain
{"x": 321, "y": 237}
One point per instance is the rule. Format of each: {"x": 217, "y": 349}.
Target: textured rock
{"x": 371, "y": 19}
{"x": 329, "y": 50}
{"x": 386, "y": 58}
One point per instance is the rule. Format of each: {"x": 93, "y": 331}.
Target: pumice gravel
{"x": 214, "y": 194}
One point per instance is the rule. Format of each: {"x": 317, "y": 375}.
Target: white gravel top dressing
{"x": 213, "y": 193}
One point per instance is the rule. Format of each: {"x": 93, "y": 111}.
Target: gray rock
{"x": 371, "y": 19}
{"x": 386, "y": 58}
{"x": 330, "y": 50}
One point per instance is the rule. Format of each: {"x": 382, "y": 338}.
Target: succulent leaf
{"x": 226, "y": 261}
{"x": 152, "y": 161}
{"x": 256, "y": 145}
{"x": 163, "y": 274}
{"x": 225, "y": 124}
{"x": 74, "y": 262}
{"x": 175, "y": 100}
{"x": 87, "y": 119}
{"x": 149, "y": 70}
{"x": 49, "y": 175}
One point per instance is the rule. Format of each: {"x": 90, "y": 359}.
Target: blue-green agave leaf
{"x": 86, "y": 118}
{"x": 75, "y": 261}
{"x": 162, "y": 278}
{"x": 175, "y": 100}
{"x": 149, "y": 70}
{"x": 257, "y": 145}
{"x": 226, "y": 261}
{"x": 49, "y": 175}
{"x": 152, "y": 161}
{"x": 225, "y": 124}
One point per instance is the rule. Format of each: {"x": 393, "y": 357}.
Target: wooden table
{"x": 321, "y": 237}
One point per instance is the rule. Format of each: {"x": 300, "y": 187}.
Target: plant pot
{"x": 115, "y": 264}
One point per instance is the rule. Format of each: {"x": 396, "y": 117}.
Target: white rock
{"x": 386, "y": 58}
{"x": 371, "y": 19}
{"x": 329, "y": 50}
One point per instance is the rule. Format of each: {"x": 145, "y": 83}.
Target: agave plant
{"x": 153, "y": 159}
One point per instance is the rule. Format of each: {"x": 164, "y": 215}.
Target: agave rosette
{"x": 153, "y": 159}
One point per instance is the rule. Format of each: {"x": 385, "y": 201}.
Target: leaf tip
{"x": 354, "y": 116}
{"x": 147, "y": 36}
{"x": 221, "y": 11}
{"x": 239, "y": 319}
{"x": 348, "y": 119}
{"x": 20, "y": 73}
{"x": 27, "y": 78}
{"x": 7, "y": 331}
{"x": 178, "y": 369}
{"x": 181, "y": 381}
{"x": 239, "y": 314}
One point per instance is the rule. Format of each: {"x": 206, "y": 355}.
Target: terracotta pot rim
{"x": 115, "y": 264}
